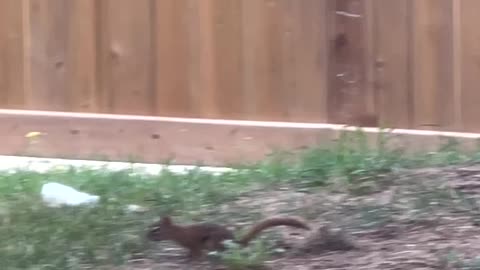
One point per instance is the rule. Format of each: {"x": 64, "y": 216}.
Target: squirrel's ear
{"x": 166, "y": 220}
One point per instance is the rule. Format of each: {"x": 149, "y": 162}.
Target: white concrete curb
{"x": 9, "y": 163}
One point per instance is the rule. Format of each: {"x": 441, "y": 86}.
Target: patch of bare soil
{"x": 426, "y": 219}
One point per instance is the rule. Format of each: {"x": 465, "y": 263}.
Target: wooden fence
{"x": 397, "y": 63}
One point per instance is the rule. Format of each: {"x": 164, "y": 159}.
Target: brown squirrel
{"x": 209, "y": 236}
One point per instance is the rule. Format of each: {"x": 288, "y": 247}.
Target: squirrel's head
{"x": 161, "y": 230}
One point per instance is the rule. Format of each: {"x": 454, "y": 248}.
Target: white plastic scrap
{"x": 135, "y": 208}
{"x": 55, "y": 195}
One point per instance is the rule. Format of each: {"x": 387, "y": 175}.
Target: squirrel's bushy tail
{"x": 272, "y": 222}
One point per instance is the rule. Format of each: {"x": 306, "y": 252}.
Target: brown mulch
{"x": 425, "y": 219}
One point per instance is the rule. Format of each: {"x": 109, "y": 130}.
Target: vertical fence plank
{"x": 274, "y": 97}
{"x": 202, "y": 51}
{"x": 371, "y": 116}
{"x": 470, "y": 58}
{"x": 348, "y": 92}
{"x": 192, "y": 57}
{"x": 227, "y": 23}
{"x": 263, "y": 63}
{"x": 392, "y": 77}
{"x": 48, "y": 25}
{"x": 291, "y": 63}
{"x": 254, "y": 59}
{"x": 81, "y": 57}
{"x": 305, "y": 51}
{"x": 457, "y": 64}
{"x": 171, "y": 26}
{"x": 126, "y": 67}
{"x": 11, "y": 54}
{"x": 432, "y": 64}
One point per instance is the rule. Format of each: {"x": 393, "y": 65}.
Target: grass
{"x": 34, "y": 236}
{"x": 453, "y": 260}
